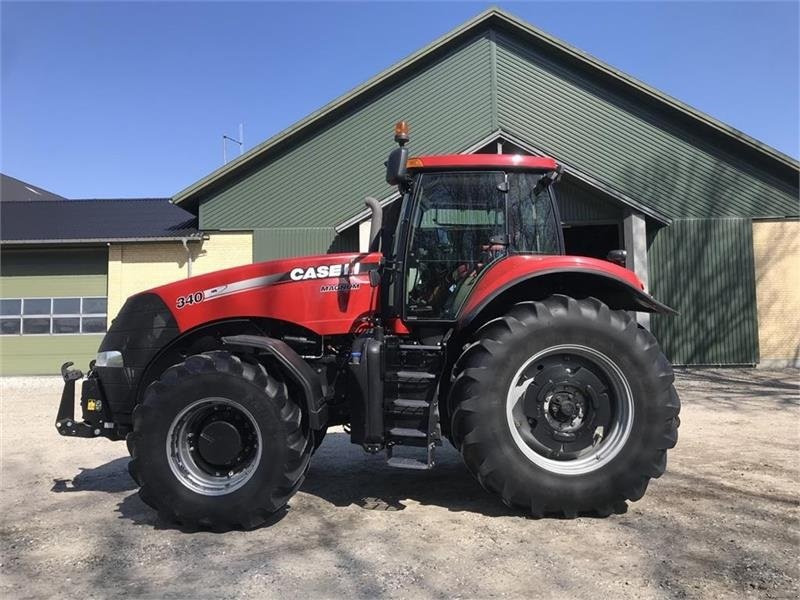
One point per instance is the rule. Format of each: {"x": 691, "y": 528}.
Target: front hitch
{"x": 65, "y": 420}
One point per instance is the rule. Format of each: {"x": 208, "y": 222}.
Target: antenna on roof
{"x": 227, "y": 138}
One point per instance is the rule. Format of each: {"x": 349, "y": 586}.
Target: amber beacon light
{"x": 401, "y": 132}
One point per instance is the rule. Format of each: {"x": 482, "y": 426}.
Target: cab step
{"x": 403, "y": 462}
{"x": 409, "y": 462}
{"x": 409, "y": 403}
{"x": 410, "y": 377}
{"x": 398, "y": 433}
{"x": 411, "y": 413}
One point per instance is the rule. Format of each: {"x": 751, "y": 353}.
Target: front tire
{"x": 217, "y": 443}
{"x": 564, "y": 406}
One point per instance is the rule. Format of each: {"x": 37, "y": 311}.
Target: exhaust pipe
{"x": 375, "y": 224}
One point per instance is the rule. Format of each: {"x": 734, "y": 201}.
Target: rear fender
{"x": 616, "y": 293}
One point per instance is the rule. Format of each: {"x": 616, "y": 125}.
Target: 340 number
{"x": 189, "y": 299}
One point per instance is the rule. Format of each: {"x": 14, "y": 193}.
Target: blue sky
{"x": 131, "y": 99}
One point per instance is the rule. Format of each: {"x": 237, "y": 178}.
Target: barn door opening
{"x": 595, "y": 240}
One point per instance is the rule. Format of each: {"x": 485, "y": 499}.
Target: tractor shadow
{"x": 111, "y": 477}
{"x": 343, "y": 475}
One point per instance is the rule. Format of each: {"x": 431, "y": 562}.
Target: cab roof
{"x": 505, "y": 162}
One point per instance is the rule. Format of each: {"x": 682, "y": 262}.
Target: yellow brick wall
{"x": 776, "y": 245}
{"x": 133, "y": 268}
{"x": 223, "y": 250}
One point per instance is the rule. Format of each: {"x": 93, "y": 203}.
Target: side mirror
{"x": 617, "y": 257}
{"x": 396, "y": 166}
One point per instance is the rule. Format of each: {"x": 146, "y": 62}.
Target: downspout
{"x": 185, "y": 242}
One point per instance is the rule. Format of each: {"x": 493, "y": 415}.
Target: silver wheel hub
{"x": 214, "y": 446}
{"x": 563, "y": 412}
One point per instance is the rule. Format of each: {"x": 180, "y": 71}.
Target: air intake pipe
{"x": 375, "y": 224}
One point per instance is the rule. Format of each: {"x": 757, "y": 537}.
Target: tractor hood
{"x": 326, "y": 294}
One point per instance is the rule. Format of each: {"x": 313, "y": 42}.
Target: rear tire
{"x": 218, "y": 444}
{"x": 564, "y": 406}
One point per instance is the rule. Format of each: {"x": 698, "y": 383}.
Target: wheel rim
{"x": 570, "y": 409}
{"x": 214, "y": 446}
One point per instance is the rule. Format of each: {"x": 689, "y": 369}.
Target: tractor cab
{"x": 459, "y": 214}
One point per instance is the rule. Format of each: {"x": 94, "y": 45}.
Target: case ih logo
{"x": 324, "y": 271}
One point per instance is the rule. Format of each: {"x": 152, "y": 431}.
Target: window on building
{"x": 53, "y": 316}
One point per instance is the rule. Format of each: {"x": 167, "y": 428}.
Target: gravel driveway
{"x": 723, "y": 521}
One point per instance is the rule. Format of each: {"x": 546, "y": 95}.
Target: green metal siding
{"x": 705, "y": 270}
{"x": 59, "y": 272}
{"x": 627, "y": 144}
{"x": 53, "y": 272}
{"x": 323, "y": 180}
{"x": 269, "y": 244}
{"x": 44, "y": 354}
{"x": 578, "y": 203}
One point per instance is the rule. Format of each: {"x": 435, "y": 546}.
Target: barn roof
{"x": 705, "y": 126}
{"x": 94, "y": 221}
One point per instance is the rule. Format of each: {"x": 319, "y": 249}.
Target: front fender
{"x": 295, "y": 368}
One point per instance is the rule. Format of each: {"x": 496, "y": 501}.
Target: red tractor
{"x": 464, "y": 319}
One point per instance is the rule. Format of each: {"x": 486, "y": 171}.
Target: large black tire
{"x": 187, "y": 393}
{"x": 503, "y": 358}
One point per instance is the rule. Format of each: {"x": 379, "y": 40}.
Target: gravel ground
{"x": 723, "y": 521}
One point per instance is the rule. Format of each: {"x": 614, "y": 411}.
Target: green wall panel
{"x": 322, "y": 180}
{"x": 705, "y": 270}
{"x": 53, "y": 272}
{"x": 44, "y": 354}
{"x": 269, "y": 244}
{"x": 578, "y": 203}
{"x": 627, "y": 144}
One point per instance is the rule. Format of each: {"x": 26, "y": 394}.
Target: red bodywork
{"x": 280, "y": 289}
{"x": 482, "y": 161}
{"x": 511, "y": 268}
{"x": 297, "y": 291}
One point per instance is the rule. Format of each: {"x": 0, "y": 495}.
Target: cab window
{"x": 458, "y": 228}
{"x": 533, "y": 227}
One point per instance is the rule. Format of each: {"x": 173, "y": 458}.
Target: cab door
{"x": 457, "y": 228}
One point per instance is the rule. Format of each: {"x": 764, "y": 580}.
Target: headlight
{"x": 110, "y": 358}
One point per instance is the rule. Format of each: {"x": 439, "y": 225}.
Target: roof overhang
{"x": 64, "y": 242}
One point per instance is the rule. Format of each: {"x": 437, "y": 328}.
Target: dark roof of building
{"x": 14, "y": 190}
{"x": 492, "y": 17}
{"x": 86, "y": 221}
